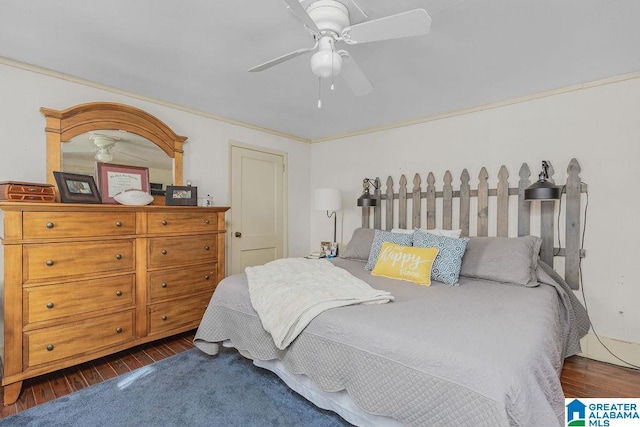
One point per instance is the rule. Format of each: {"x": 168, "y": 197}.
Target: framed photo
{"x": 330, "y": 249}
{"x": 114, "y": 179}
{"x": 76, "y": 188}
{"x": 181, "y": 196}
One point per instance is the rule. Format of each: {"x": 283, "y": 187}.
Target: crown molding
{"x": 489, "y": 106}
{"x": 112, "y": 89}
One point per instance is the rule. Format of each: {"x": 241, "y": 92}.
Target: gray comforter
{"x": 482, "y": 353}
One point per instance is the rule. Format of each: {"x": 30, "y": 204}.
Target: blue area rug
{"x": 189, "y": 389}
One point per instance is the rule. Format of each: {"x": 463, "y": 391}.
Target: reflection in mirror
{"x": 80, "y": 154}
{"x": 99, "y": 123}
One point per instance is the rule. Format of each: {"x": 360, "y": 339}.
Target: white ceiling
{"x": 196, "y": 53}
{"x": 128, "y": 149}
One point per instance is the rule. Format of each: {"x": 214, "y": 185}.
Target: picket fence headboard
{"x": 443, "y": 210}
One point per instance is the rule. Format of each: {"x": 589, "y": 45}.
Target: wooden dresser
{"x": 84, "y": 281}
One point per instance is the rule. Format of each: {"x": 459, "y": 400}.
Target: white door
{"x": 257, "y": 207}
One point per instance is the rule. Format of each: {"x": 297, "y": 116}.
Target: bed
{"x": 485, "y": 349}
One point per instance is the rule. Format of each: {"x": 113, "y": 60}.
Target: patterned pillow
{"x": 446, "y": 267}
{"x": 385, "y": 236}
{"x": 406, "y": 263}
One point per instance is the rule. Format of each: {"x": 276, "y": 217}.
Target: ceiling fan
{"x": 329, "y": 23}
{"x": 105, "y": 145}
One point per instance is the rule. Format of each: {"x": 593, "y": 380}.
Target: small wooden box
{"x": 14, "y": 191}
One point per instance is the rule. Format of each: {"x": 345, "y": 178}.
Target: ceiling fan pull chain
{"x": 332, "y": 66}
{"x": 319, "y": 86}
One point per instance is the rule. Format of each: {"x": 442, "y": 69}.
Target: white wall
{"x": 598, "y": 125}
{"x": 206, "y": 158}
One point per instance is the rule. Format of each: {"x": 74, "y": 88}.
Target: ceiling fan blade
{"x": 407, "y": 24}
{"x": 353, "y": 76}
{"x": 296, "y": 8}
{"x": 130, "y": 155}
{"x": 281, "y": 59}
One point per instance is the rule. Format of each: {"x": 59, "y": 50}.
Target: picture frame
{"x": 179, "y": 195}
{"x": 114, "y": 179}
{"x": 77, "y": 188}
{"x": 330, "y": 249}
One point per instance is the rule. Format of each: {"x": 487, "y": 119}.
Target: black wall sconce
{"x": 367, "y": 200}
{"x": 543, "y": 189}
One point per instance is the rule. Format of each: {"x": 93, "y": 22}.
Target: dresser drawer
{"x": 165, "y": 284}
{"x": 181, "y": 222}
{"x": 58, "y": 342}
{"x": 178, "y": 313}
{"x": 49, "y": 225}
{"x": 54, "y": 260}
{"x": 57, "y": 301}
{"x": 177, "y": 251}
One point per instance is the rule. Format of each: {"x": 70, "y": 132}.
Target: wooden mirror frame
{"x": 62, "y": 125}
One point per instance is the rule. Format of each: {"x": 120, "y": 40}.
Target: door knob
{"x": 238, "y": 234}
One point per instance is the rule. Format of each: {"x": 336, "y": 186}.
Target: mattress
{"x": 481, "y": 353}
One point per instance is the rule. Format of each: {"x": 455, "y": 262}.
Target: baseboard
{"x": 593, "y": 349}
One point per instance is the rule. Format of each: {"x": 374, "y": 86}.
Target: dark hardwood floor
{"x": 580, "y": 377}
{"x": 44, "y": 388}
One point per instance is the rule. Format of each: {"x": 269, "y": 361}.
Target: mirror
{"x": 113, "y": 133}
{"x": 80, "y": 153}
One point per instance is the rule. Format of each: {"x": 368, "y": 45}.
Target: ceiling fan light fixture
{"x": 104, "y": 155}
{"x": 104, "y": 144}
{"x": 326, "y": 63}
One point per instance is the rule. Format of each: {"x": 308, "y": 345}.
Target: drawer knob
{"x": 164, "y": 222}
{"x": 164, "y": 284}
{"x": 118, "y": 293}
{"x": 118, "y": 256}
{"x": 50, "y": 225}
{"x": 49, "y": 262}
{"x": 118, "y": 223}
{"x": 118, "y": 330}
{"x": 206, "y": 221}
{"x": 164, "y": 317}
{"x": 50, "y": 347}
{"x": 206, "y": 248}
{"x": 50, "y": 305}
{"x": 163, "y": 252}
{"x": 206, "y": 277}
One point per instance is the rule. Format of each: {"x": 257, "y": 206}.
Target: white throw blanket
{"x": 288, "y": 293}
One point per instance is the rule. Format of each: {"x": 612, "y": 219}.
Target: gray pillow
{"x": 502, "y": 259}
{"x": 360, "y": 245}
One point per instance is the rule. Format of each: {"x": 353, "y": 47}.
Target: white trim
{"x": 592, "y": 349}
{"x": 491, "y": 105}
{"x": 419, "y": 120}
{"x": 112, "y": 89}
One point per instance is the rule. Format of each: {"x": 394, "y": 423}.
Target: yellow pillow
{"x": 405, "y": 262}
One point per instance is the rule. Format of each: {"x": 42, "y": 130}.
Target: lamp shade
{"x": 542, "y": 190}
{"x": 328, "y": 199}
{"x": 367, "y": 200}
